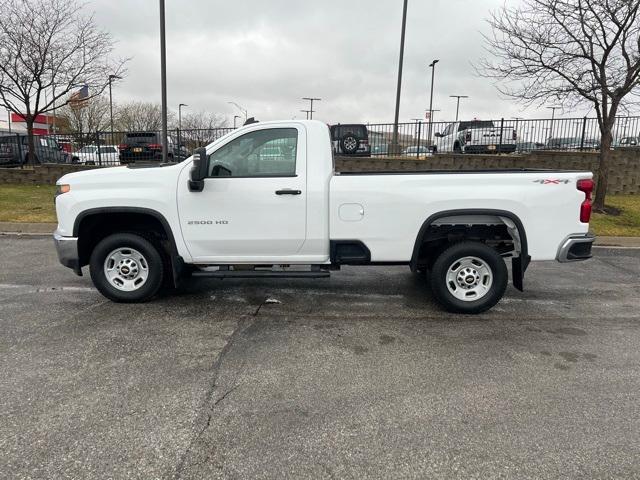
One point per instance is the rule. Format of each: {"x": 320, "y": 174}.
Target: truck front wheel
{"x": 126, "y": 267}
{"x": 468, "y": 277}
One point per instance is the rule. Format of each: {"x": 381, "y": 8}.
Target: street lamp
{"x": 234, "y": 120}
{"x": 180, "y": 114}
{"x": 111, "y": 79}
{"x": 244, "y": 111}
{"x": 310, "y": 111}
{"x": 553, "y": 114}
{"x": 432, "y": 66}
{"x": 399, "y": 88}
{"x": 458, "y": 103}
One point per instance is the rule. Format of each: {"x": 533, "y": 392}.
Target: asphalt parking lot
{"x": 355, "y": 376}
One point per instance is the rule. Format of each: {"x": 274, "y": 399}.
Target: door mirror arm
{"x": 199, "y": 170}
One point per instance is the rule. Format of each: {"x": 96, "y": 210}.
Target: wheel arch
{"x": 108, "y": 220}
{"x": 519, "y": 263}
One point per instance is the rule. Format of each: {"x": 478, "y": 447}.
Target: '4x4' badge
{"x": 550, "y": 181}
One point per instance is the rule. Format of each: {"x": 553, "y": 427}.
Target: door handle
{"x": 288, "y": 191}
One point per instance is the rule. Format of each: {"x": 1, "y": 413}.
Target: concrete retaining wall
{"x": 624, "y": 174}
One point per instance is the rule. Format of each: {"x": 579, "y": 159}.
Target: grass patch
{"x": 625, "y": 224}
{"x": 34, "y": 203}
{"x": 27, "y": 203}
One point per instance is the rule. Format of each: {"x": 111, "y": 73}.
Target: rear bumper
{"x": 67, "y": 249}
{"x": 575, "y": 248}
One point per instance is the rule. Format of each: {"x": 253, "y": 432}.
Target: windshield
{"x": 87, "y": 150}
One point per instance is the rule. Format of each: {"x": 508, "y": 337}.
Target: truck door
{"x": 253, "y": 206}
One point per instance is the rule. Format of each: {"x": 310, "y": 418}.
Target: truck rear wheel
{"x": 469, "y": 277}
{"x": 126, "y": 267}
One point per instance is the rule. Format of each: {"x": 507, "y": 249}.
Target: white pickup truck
{"x": 476, "y": 136}
{"x": 234, "y": 209}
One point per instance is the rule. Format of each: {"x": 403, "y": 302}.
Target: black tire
{"x": 457, "y": 148}
{"x": 349, "y": 144}
{"x": 149, "y": 251}
{"x": 447, "y": 259}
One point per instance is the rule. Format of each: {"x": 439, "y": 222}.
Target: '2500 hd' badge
{"x": 208, "y": 222}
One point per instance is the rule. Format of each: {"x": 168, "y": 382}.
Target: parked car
{"x": 147, "y": 146}
{"x": 14, "y": 148}
{"x": 350, "y": 139}
{"x": 529, "y": 146}
{"x": 138, "y": 228}
{"x": 415, "y": 151}
{"x": 476, "y": 136}
{"x": 381, "y": 149}
{"x": 95, "y": 155}
{"x": 572, "y": 143}
{"x": 627, "y": 142}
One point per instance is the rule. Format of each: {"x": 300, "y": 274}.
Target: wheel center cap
{"x": 469, "y": 279}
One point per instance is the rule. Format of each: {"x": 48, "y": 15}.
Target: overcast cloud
{"x": 267, "y": 54}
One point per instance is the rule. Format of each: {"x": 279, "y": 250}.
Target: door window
{"x": 262, "y": 153}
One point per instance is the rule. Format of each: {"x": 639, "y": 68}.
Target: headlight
{"x": 62, "y": 188}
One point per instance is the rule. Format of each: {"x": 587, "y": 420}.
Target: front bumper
{"x": 575, "y": 248}
{"x": 67, "y": 248}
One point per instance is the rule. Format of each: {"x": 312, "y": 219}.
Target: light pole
{"x": 311, "y": 100}
{"x": 163, "y": 76}
{"x": 244, "y": 111}
{"x": 111, "y": 79}
{"x": 432, "y": 66}
{"x": 517, "y": 119}
{"x": 180, "y": 105}
{"x": 553, "y": 114}
{"x": 180, "y": 114}
{"x": 234, "y": 120}
{"x": 458, "y": 103}
{"x": 394, "y": 145}
{"x": 9, "y": 119}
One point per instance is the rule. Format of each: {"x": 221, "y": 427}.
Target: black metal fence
{"x": 105, "y": 148}
{"x": 418, "y": 139}
{"x": 514, "y": 135}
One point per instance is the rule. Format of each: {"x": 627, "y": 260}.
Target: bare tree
{"x": 48, "y": 49}
{"x": 570, "y": 52}
{"x": 86, "y": 117}
{"x": 139, "y": 116}
{"x": 201, "y": 128}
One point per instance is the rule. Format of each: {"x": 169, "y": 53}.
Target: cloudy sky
{"x": 267, "y": 54}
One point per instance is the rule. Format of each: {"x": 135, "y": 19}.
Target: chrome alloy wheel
{"x": 126, "y": 269}
{"x": 469, "y": 279}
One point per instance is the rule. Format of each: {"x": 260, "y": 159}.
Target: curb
{"x": 12, "y": 228}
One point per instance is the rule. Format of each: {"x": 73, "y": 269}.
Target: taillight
{"x": 155, "y": 146}
{"x": 122, "y": 146}
{"x": 585, "y": 185}
{"x": 467, "y": 136}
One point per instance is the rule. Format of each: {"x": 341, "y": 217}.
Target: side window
{"x": 447, "y": 131}
{"x": 107, "y": 150}
{"x": 261, "y": 153}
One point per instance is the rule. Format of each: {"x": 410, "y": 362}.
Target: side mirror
{"x": 437, "y": 134}
{"x": 199, "y": 170}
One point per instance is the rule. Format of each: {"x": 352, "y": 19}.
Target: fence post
{"x": 501, "y": 130}
{"x": 419, "y": 133}
{"x": 584, "y": 130}
{"x": 98, "y": 148}
{"x": 19, "y": 145}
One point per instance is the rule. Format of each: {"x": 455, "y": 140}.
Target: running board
{"x": 260, "y": 274}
